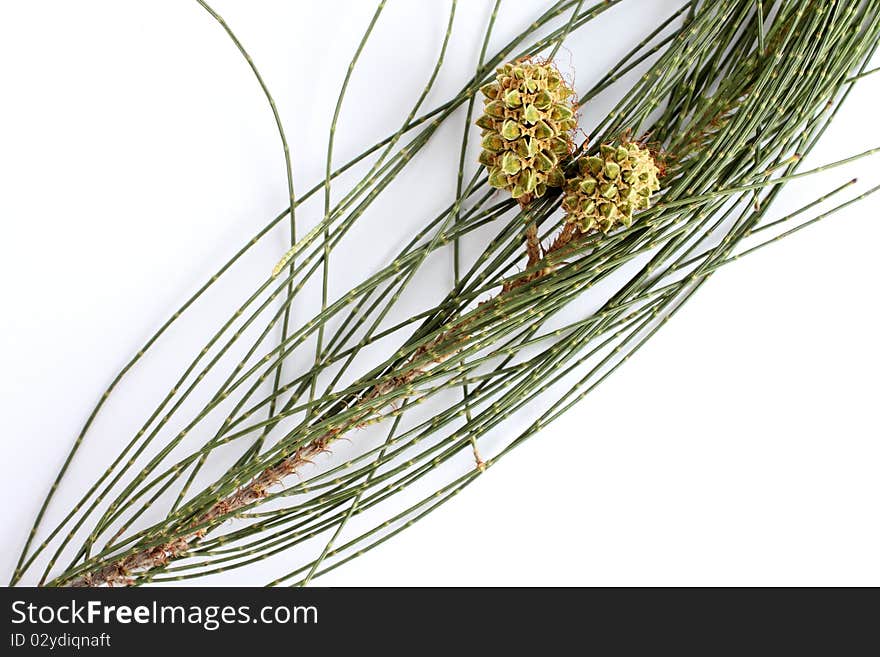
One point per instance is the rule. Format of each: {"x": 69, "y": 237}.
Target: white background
{"x": 137, "y": 153}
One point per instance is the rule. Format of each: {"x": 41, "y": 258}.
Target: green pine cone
{"x": 610, "y": 187}
{"x": 527, "y": 124}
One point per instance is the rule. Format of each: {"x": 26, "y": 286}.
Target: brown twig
{"x": 119, "y": 573}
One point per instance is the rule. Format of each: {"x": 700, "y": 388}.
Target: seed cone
{"x": 527, "y": 123}
{"x": 610, "y": 187}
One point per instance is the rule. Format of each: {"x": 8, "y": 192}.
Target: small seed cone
{"x": 527, "y": 122}
{"x": 611, "y": 187}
